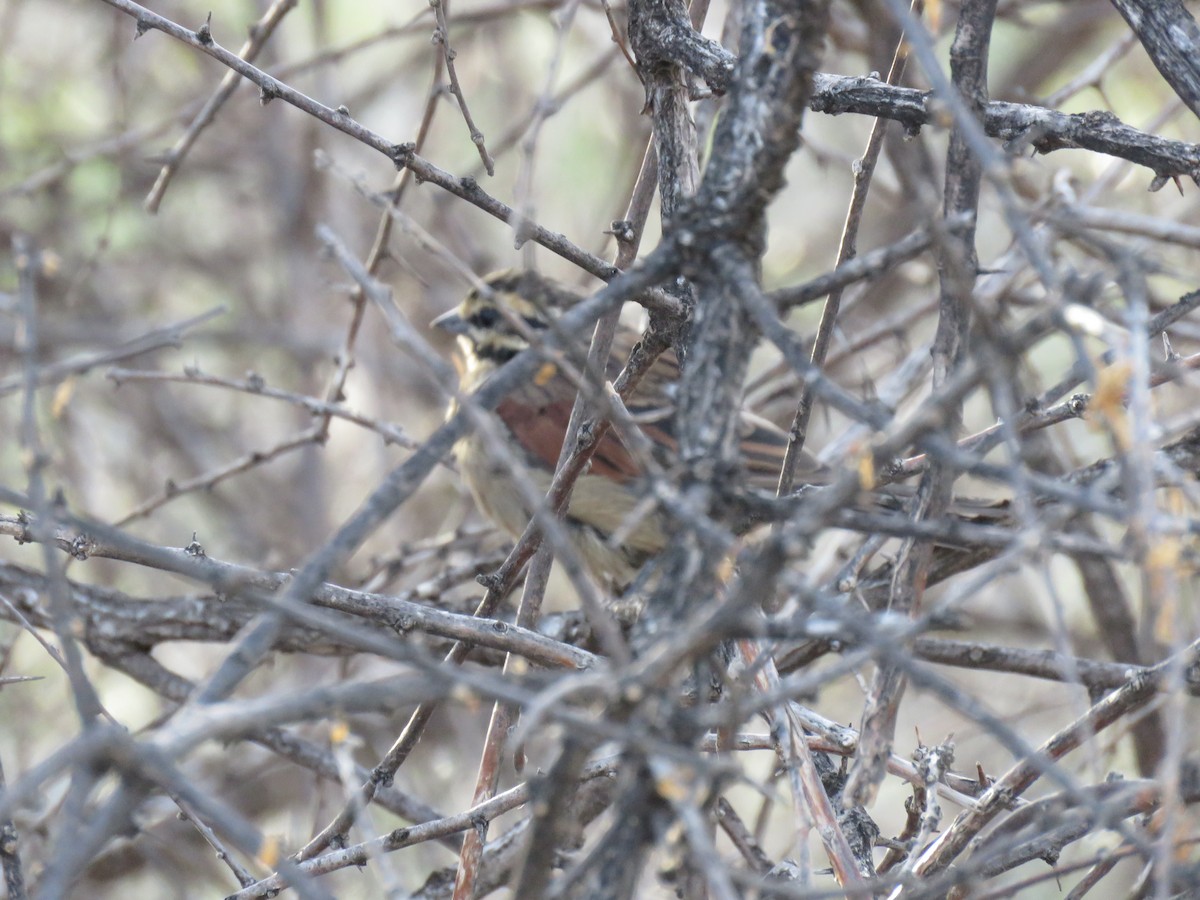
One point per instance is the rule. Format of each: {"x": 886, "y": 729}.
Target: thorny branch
{"x": 349, "y": 646}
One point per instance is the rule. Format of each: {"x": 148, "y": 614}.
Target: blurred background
{"x": 193, "y": 448}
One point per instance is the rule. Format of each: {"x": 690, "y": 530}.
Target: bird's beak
{"x": 451, "y": 322}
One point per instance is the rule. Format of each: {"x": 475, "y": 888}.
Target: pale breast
{"x": 599, "y": 507}
{"x": 494, "y": 487}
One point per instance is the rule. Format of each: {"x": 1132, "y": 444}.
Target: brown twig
{"x": 260, "y": 33}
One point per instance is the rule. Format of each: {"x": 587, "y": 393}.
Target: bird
{"x": 606, "y": 519}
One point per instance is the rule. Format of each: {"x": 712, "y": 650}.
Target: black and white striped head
{"x": 494, "y": 321}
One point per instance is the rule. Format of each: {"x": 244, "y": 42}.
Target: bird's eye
{"x": 486, "y": 317}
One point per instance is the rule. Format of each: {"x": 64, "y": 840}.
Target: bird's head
{"x": 497, "y": 319}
